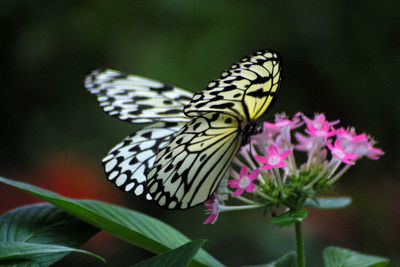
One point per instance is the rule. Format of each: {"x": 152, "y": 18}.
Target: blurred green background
{"x": 339, "y": 57}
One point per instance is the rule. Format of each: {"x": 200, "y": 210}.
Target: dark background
{"x": 339, "y": 57}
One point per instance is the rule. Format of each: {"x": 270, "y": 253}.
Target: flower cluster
{"x": 265, "y": 172}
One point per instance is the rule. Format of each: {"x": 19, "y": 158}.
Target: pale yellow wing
{"x": 188, "y": 170}
{"x": 246, "y": 90}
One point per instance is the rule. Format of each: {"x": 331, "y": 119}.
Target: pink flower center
{"x": 318, "y": 125}
{"x": 339, "y": 153}
{"x": 244, "y": 182}
{"x": 320, "y": 133}
{"x": 273, "y": 160}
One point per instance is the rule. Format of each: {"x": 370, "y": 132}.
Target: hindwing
{"x": 128, "y": 162}
{"x": 188, "y": 170}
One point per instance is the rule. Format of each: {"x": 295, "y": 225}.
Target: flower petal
{"x": 250, "y": 188}
{"x": 261, "y": 159}
{"x": 211, "y": 219}
{"x": 272, "y": 150}
{"x": 238, "y": 192}
{"x": 280, "y": 164}
{"x": 253, "y": 175}
{"x": 233, "y": 183}
{"x": 243, "y": 171}
{"x": 285, "y": 154}
{"x": 267, "y": 166}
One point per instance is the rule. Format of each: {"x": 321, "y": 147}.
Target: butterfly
{"x": 179, "y": 160}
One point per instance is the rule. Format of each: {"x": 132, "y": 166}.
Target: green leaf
{"x": 134, "y": 227}
{"x": 41, "y": 233}
{"x": 289, "y": 218}
{"x": 287, "y": 260}
{"x": 327, "y": 202}
{"x": 33, "y": 253}
{"x": 335, "y": 257}
{"x": 180, "y": 256}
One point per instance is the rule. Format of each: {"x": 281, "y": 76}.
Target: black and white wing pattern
{"x": 128, "y": 162}
{"x": 247, "y": 89}
{"x": 188, "y": 170}
{"x": 136, "y": 99}
{"x": 178, "y": 166}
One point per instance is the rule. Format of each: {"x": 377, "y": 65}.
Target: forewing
{"x": 246, "y": 90}
{"x": 136, "y": 99}
{"x": 127, "y": 163}
{"x": 188, "y": 170}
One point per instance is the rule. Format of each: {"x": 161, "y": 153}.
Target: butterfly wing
{"x": 188, "y": 170}
{"x": 127, "y": 163}
{"x": 136, "y": 99}
{"x": 246, "y": 90}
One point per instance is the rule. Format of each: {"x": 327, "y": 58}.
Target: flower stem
{"x": 299, "y": 245}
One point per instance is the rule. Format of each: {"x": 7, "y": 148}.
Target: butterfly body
{"x": 181, "y": 167}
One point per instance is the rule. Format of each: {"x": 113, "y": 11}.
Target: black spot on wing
{"x": 261, "y": 79}
{"x": 169, "y": 167}
{"x": 139, "y": 98}
{"x": 259, "y": 93}
{"x": 223, "y": 105}
{"x": 182, "y": 97}
{"x": 133, "y": 161}
{"x": 160, "y": 90}
{"x": 147, "y": 135}
{"x": 196, "y": 126}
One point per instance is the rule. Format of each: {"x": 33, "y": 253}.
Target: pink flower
{"x": 212, "y": 206}
{"x": 245, "y": 182}
{"x": 318, "y": 121}
{"x": 350, "y": 135}
{"x": 366, "y": 148}
{"x": 282, "y": 121}
{"x": 320, "y": 127}
{"x": 273, "y": 159}
{"x": 339, "y": 152}
{"x": 305, "y": 142}
{"x": 359, "y": 144}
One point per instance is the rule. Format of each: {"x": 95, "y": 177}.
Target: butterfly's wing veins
{"x": 188, "y": 170}
{"x": 245, "y": 90}
{"x": 137, "y": 99}
{"x": 127, "y": 163}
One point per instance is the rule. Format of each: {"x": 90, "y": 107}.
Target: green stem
{"x": 299, "y": 246}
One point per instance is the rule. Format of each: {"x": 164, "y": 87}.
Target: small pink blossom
{"x": 339, "y": 152}
{"x": 274, "y": 158}
{"x": 245, "y": 182}
{"x": 212, "y": 206}
{"x": 366, "y": 148}
{"x": 305, "y": 142}
{"x": 359, "y": 144}
{"x": 318, "y": 121}
{"x": 350, "y": 135}
{"x": 320, "y": 127}
{"x": 282, "y": 121}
